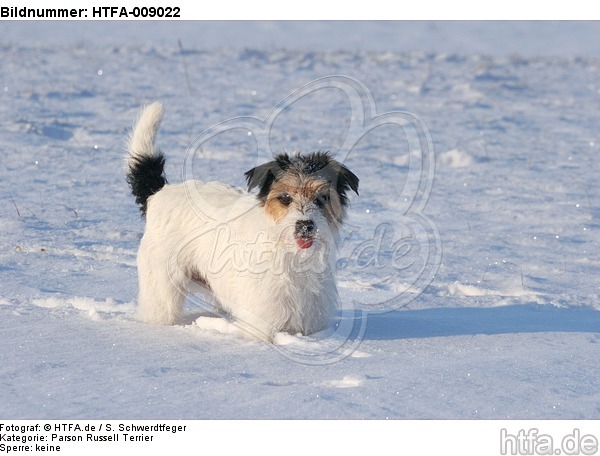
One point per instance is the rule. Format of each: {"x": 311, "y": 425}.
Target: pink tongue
{"x": 304, "y": 243}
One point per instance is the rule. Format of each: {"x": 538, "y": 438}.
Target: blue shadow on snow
{"x": 461, "y": 321}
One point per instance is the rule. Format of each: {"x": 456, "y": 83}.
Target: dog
{"x": 267, "y": 259}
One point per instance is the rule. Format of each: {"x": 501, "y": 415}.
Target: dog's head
{"x": 305, "y": 190}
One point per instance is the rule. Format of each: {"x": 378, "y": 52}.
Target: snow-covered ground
{"x": 507, "y": 235}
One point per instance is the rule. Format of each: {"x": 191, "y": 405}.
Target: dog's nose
{"x": 305, "y": 229}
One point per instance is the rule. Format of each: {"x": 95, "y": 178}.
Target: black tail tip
{"x": 146, "y": 177}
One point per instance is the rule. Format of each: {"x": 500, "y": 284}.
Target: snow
{"x": 468, "y": 292}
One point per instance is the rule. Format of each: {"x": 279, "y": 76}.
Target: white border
{"x": 348, "y": 438}
{"x": 338, "y": 10}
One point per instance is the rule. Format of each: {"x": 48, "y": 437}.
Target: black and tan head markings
{"x": 296, "y": 182}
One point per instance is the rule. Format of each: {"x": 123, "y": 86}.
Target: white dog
{"x": 267, "y": 259}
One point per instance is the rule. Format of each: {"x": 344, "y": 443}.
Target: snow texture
{"x": 503, "y": 323}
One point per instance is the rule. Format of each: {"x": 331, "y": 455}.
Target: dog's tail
{"x": 145, "y": 162}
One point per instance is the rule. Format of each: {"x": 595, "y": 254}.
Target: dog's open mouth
{"x": 304, "y": 243}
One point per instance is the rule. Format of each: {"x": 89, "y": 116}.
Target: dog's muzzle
{"x": 304, "y": 233}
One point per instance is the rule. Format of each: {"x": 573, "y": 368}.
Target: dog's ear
{"x": 345, "y": 180}
{"x": 348, "y": 179}
{"x": 262, "y": 177}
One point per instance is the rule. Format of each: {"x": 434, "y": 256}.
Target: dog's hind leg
{"x": 162, "y": 292}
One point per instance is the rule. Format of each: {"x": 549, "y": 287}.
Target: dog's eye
{"x": 322, "y": 200}
{"x": 285, "y": 199}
